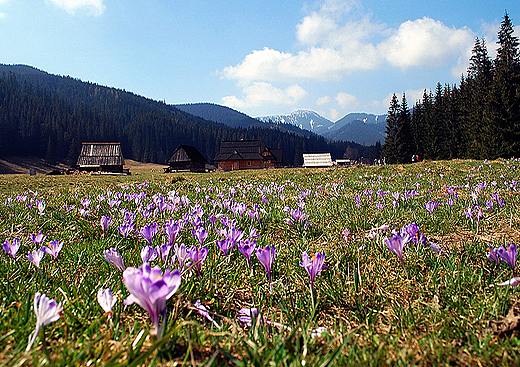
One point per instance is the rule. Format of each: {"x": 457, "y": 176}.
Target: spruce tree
{"x": 403, "y": 139}
{"x": 389, "y": 149}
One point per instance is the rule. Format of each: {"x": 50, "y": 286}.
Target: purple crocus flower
{"x": 53, "y": 249}
{"x": 198, "y": 255}
{"x": 172, "y": 229}
{"x": 150, "y": 289}
{"x": 396, "y": 244}
{"x": 11, "y": 248}
{"x": 266, "y": 257}
{"x": 246, "y": 248}
{"x": 431, "y": 206}
{"x": 35, "y": 257}
{"x": 148, "y": 232}
{"x": 148, "y": 254}
{"x": 493, "y": 256}
{"x": 508, "y": 255}
{"x": 126, "y": 228}
{"x": 203, "y": 311}
{"x": 105, "y": 223}
{"x": 246, "y": 315}
{"x": 38, "y": 239}
{"x": 200, "y": 234}
{"x": 314, "y": 266}
{"x": 114, "y": 258}
{"x": 47, "y": 310}
{"x": 226, "y": 246}
{"x": 164, "y": 250}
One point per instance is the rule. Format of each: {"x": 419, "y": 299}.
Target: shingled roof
{"x": 186, "y": 153}
{"x": 239, "y": 150}
{"x": 100, "y": 154}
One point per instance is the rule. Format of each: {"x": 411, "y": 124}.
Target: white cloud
{"x": 346, "y": 101}
{"x": 425, "y": 42}
{"x": 91, "y": 7}
{"x": 261, "y": 93}
{"x": 323, "y": 100}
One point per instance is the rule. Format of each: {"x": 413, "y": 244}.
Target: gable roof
{"x": 187, "y": 153}
{"x": 100, "y": 154}
{"x": 240, "y": 150}
{"x": 274, "y": 154}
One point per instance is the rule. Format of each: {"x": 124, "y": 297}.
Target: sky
{"x": 260, "y": 57}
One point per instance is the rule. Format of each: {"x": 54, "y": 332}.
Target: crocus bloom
{"x": 148, "y": 232}
{"x": 396, "y": 244}
{"x": 126, "y": 228}
{"x": 198, "y": 255}
{"x": 38, "y": 239}
{"x": 106, "y": 300}
{"x": 148, "y": 254}
{"x": 200, "y": 234}
{"x": 114, "y": 258}
{"x": 266, "y": 257}
{"x": 35, "y": 257}
{"x": 431, "y": 206}
{"x": 150, "y": 289}
{"x": 513, "y": 282}
{"x": 53, "y": 249}
{"x": 164, "y": 251}
{"x": 314, "y": 267}
{"x": 171, "y": 230}
{"x": 11, "y": 248}
{"x": 508, "y": 255}
{"x": 493, "y": 256}
{"x": 246, "y": 315}
{"x": 226, "y": 246}
{"x": 182, "y": 254}
{"x": 246, "y": 248}
{"x": 47, "y": 311}
{"x": 203, "y": 311}
{"x": 105, "y": 223}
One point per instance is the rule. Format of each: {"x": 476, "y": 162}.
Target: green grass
{"x": 436, "y": 312}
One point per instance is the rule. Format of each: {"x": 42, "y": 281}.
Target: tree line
{"x": 49, "y": 116}
{"x": 478, "y": 119}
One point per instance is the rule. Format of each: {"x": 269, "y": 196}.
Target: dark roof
{"x": 101, "y": 154}
{"x": 276, "y": 154}
{"x": 239, "y": 150}
{"x": 186, "y": 153}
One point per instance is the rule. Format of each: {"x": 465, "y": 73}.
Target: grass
{"x": 440, "y": 310}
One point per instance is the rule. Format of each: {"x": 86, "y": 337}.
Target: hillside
{"x": 48, "y": 116}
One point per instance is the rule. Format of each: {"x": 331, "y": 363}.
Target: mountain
{"x": 304, "y": 119}
{"x": 360, "y": 132}
{"x": 362, "y": 128}
{"x": 233, "y": 118}
{"x": 48, "y": 116}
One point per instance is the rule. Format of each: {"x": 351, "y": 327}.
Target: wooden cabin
{"x": 273, "y": 158}
{"x": 317, "y": 160}
{"x": 101, "y": 157}
{"x": 241, "y": 154}
{"x": 187, "y": 158}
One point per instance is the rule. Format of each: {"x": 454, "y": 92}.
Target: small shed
{"x": 187, "y": 158}
{"x": 241, "y": 154}
{"x": 101, "y": 157}
{"x": 273, "y": 157}
{"x": 317, "y": 160}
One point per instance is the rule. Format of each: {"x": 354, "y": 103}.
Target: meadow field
{"x": 396, "y": 265}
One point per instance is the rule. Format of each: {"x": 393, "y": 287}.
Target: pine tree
{"x": 403, "y": 139}
{"x": 389, "y": 149}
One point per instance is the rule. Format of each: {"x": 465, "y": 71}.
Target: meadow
{"x": 289, "y": 267}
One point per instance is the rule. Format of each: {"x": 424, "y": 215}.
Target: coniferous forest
{"x": 478, "y": 119}
{"x": 49, "y": 116}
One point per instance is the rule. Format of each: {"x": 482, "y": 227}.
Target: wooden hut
{"x": 101, "y": 157}
{"x": 241, "y": 154}
{"x": 273, "y": 158}
{"x": 187, "y": 158}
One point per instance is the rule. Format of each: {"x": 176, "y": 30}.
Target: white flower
{"x": 47, "y": 311}
{"x": 106, "y": 300}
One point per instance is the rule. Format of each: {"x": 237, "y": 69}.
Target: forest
{"x": 49, "y": 116}
{"x": 478, "y": 119}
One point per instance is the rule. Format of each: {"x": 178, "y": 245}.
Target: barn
{"x": 101, "y": 157}
{"x": 187, "y": 158}
{"x": 241, "y": 154}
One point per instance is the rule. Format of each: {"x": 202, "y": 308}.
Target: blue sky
{"x": 260, "y": 57}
